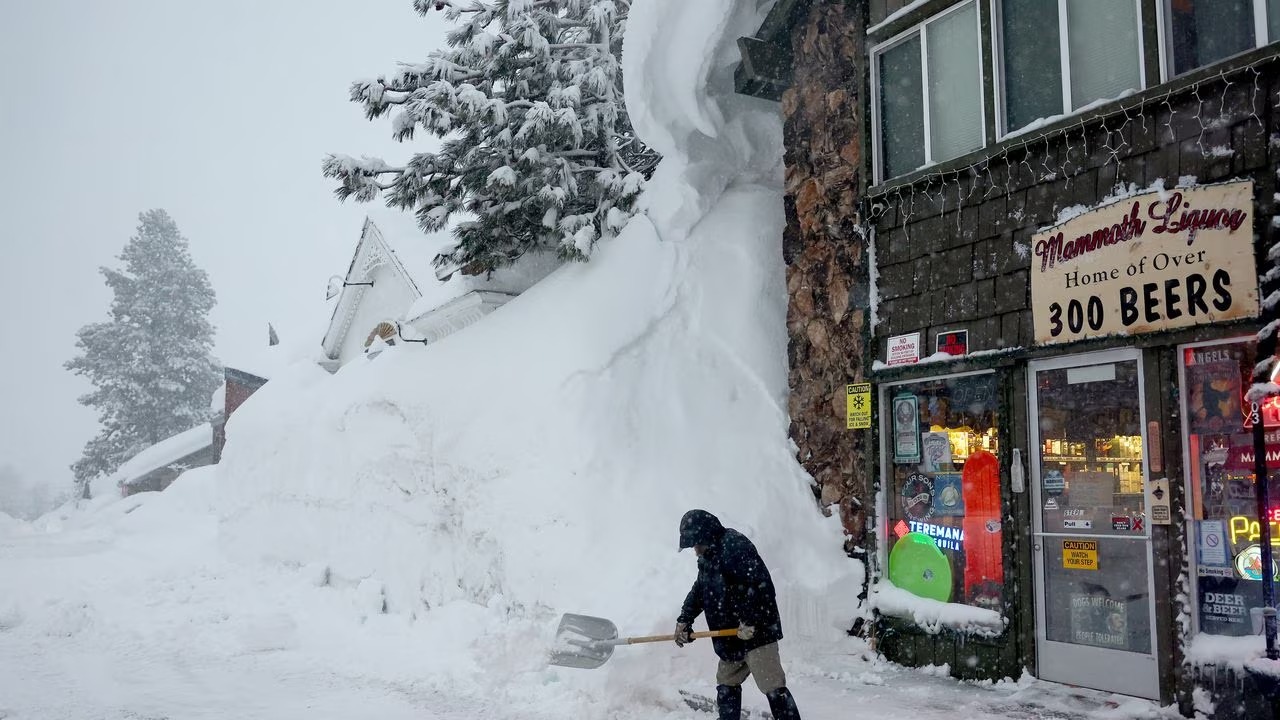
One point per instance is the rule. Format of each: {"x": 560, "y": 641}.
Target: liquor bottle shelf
{"x": 1081, "y": 458}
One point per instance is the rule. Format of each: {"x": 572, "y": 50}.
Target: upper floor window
{"x": 1201, "y": 32}
{"x": 1052, "y": 58}
{"x": 929, "y": 92}
{"x": 1058, "y": 56}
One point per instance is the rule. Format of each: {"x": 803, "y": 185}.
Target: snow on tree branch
{"x": 538, "y": 149}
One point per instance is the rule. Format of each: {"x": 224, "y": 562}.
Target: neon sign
{"x": 1269, "y": 408}
{"x": 1246, "y": 529}
{"x": 1249, "y": 564}
{"x": 947, "y": 538}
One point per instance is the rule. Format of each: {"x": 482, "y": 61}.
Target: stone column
{"x": 825, "y": 250}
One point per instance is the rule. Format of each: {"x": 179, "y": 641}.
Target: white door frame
{"x": 1117, "y": 671}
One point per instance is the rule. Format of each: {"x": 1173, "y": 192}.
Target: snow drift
{"x": 9, "y": 523}
{"x": 538, "y": 462}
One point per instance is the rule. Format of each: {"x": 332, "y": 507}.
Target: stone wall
{"x": 825, "y": 252}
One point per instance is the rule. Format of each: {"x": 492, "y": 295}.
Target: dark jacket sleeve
{"x": 748, "y": 573}
{"x": 692, "y": 607}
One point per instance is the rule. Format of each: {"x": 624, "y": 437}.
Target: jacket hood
{"x": 699, "y": 527}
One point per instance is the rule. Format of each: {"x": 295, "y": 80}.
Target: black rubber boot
{"x": 782, "y": 705}
{"x": 729, "y": 698}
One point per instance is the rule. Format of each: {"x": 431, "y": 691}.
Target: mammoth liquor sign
{"x": 1155, "y": 261}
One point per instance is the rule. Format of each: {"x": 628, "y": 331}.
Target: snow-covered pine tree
{"x": 151, "y": 364}
{"x": 538, "y": 152}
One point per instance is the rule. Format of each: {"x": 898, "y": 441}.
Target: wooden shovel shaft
{"x": 672, "y": 637}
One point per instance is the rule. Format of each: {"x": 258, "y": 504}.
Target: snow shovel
{"x": 587, "y": 642}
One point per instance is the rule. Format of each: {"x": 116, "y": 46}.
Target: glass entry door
{"x": 1091, "y": 540}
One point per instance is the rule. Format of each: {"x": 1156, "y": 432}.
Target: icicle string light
{"x": 1200, "y": 120}
{"x": 1253, "y": 98}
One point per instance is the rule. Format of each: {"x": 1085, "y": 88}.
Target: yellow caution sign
{"x": 858, "y": 406}
{"x": 1080, "y": 554}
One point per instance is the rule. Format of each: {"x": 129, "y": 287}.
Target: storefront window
{"x": 1220, "y": 475}
{"x": 944, "y": 531}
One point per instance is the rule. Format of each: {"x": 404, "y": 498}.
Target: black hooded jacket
{"x": 734, "y": 588}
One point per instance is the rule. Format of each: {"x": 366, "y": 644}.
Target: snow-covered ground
{"x": 398, "y": 540}
{"x": 129, "y": 610}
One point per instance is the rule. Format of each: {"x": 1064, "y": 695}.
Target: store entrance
{"x": 1092, "y": 543}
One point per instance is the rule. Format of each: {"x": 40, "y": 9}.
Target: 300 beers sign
{"x": 1149, "y": 262}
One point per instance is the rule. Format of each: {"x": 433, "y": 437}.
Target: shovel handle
{"x": 672, "y": 637}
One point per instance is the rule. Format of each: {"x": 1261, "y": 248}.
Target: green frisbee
{"x": 919, "y": 567}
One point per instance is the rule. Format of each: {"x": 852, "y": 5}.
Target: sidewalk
{"x": 846, "y": 681}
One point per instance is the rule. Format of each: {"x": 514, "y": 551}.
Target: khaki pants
{"x": 763, "y": 664}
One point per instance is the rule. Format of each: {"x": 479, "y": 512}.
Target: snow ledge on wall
{"x": 1225, "y": 651}
{"x": 932, "y": 615}
{"x": 941, "y": 357}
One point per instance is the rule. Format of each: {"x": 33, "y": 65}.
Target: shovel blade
{"x": 583, "y": 642}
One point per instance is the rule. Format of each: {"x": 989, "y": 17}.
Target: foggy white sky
{"x": 218, "y": 112}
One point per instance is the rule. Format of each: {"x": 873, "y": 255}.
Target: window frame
{"x": 1003, "y": 132}
{"x": 883, "y": 430}
{"x": 921, "y": 29}
{"x": 1164, "y": 21}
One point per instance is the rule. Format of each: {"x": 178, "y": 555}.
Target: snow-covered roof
{"x": 372, "y": 251}
{"x": 451, "y": 316}
{"x": 272, "y": 360}
{"x": 218, "y": 401}
{"x": 510, "y": 280}
{"x": 393, "y": 239}
{"x": 166, "y": 451}
{"x": 415, "y": 249}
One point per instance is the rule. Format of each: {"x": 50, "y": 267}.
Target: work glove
{"x": 684, "y": 634}
{"x": 746, "y": 632}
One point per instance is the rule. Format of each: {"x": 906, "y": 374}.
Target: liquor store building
{"x": 1035, "y": 229}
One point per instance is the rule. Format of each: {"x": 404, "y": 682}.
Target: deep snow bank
{"x": 10, "y": 524}
{"x": 540, "y": 460}
{"x": 104, "y": 514}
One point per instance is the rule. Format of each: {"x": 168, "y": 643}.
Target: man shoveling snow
{"x": 734, "y": 588}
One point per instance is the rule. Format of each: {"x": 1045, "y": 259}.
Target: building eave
{"x": 244, "y": 377}
{"x": 197, "y": 458}
{"x": 766, "y": 67}
{"x": 452, "y": 316}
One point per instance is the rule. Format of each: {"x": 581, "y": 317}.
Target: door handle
{"x": 1036, "y": 547}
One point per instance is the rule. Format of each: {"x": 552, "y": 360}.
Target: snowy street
{"x": 462, "y": 345}
{"x": 99, "y": 621}
{"x": 126, "y": 610}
